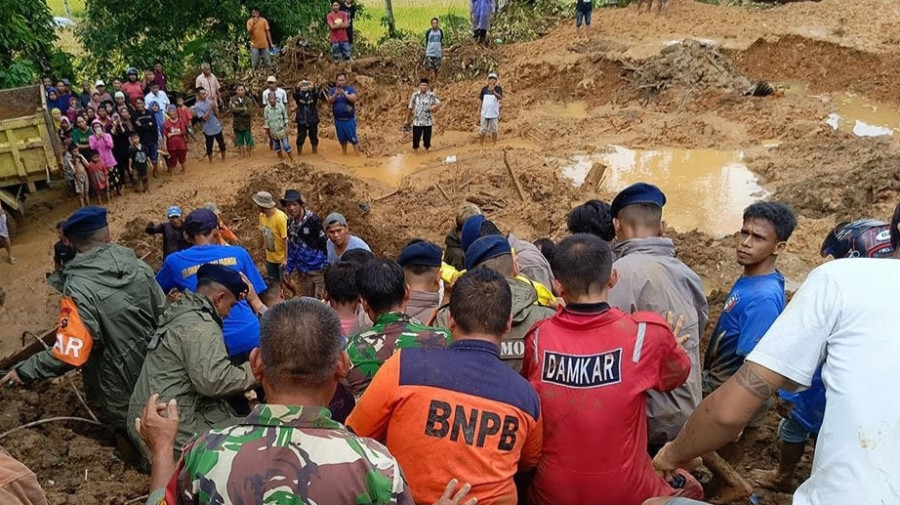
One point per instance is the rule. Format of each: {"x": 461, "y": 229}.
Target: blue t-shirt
{"x": 750, "y": 309}
{"x": 355, "y": 243}
{"x": 342, "y": 108}
{"x": 809, "y": 405}
{"x": 179, "y": 270}
{"x": 211, "y": 126}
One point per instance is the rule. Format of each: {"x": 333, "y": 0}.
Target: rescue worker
{"x": 172, "y": 231}
{"x": 494, "y": 252}
{"x": 187, "y": 360}
{"x": 594, "y": 390}
{"x": 652, "y": 279}
{"x": 454, "y": 255}
{"x": 179, "y": 271}
{"x": 384, "y": 297}
{"x": 421, "y": 262}
{"x": 109, "y": 308}
{"x": 288, "y": 446}
{"x": 481, "y": 420}
{"x": 594, "y": 217}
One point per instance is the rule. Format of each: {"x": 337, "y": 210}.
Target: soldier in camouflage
{"x": 187, "y": 359}
{"x": 385, "y": 294}
{"x": 109, "y": 309}
{"x": 286, "y": 451}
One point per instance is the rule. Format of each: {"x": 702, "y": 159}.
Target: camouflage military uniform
{"x": 187, "y": 360}
{"x": 392, "y": 331}
{"x": 286, "y": 455}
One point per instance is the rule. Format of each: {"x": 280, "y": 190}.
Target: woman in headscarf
{"x": 65, "y": 132}
{"x": 102, "y": 142}
{"x": 57, "y": 116}
{"x": 74, "y": 109}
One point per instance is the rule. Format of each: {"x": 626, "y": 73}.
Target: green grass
{"x": 58, "y": 8}
{"x": 409, "y": 15}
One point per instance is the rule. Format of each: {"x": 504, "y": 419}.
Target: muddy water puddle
{"x": 392, "y": 169}
{"x": 706, "y": 189}
{"x": 853, "y": 113}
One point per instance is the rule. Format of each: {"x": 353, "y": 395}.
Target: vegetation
{"x": 118, "y": 34}
{"x": 26, "y": 42}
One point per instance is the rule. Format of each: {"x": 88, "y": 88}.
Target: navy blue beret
{"x": 201, "y": 219}
{"x": 640, "y": 192}
{"x": 226, "y": 276}
{"x": 85, "y": 219}
{"x": 420, "y": 253}
{"x": 470, "y": 231}
{"x": 486, "y": 248}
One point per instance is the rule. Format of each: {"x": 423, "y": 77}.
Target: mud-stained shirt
{"x": 286, "y": 454}
{"x": 392, "y": 331}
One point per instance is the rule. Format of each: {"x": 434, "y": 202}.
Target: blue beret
{"x": 226, "y": 276}
{"x": 85, "y": 219}
{"x": 640, "y": 192}
{"x": 470, "y": 231}
{"x": 201, "y": 219}
{"x": 486, "y": 248}
{"x": 420, "y": 253}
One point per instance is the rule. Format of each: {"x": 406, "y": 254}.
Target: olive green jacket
{"x": 187, "y": 361}
{"x": 525, "y": 313}
{"x": 119, "y": 302}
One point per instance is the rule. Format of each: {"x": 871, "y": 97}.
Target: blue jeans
{"x": 340, "y": 49}
{"x": 685, "y": 501}
{"x": 791, "y": 432}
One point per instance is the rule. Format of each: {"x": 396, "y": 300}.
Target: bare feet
{"x": 771, "y": 479}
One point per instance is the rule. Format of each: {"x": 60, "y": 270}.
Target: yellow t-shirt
{"x": 257, "y": 29}
{"x": 274, "y": 232}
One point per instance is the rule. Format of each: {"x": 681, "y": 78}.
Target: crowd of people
{"x": 554, "y": 373}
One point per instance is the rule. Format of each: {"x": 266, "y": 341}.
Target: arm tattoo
{"x": 752, "y": 382}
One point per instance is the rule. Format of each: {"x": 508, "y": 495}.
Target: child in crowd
{"x": 138, "y": 157}
{"x": 4, "y": 237}
{"x": 80, "y": 183}
{"x": 99, "y": 176}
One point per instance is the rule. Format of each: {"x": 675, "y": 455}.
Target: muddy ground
{"x": 564, "y": 97}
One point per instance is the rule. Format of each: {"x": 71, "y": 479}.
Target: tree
{"x": 121, "y": 34}
{"x": 26, "y": 41}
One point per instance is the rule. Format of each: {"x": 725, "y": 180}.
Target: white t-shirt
{"x": 845, "y": 314}
{"x": 280, "y": 96}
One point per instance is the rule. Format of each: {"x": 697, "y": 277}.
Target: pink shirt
{"x": 103, "y": 145}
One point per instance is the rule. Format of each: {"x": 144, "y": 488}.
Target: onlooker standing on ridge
{"x": 343, "y": 100}
{"x": 208, "y": 81}
{"x": 349, "y": 6}
{"x": 306, "y": 98}
{"x": 277, "y": 122}
{"x": 241, "y": 107}
{"x": 207, "y": 110}
{"x": 338, "y": 21}
{"x": 422, "y": 104}
{"x": 434, "y": 42}
{"x": 490, "y": 108}
{"x": 260, "y": 38}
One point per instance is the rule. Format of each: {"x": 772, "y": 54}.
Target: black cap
{"x": 85, "y": 219}
{"x": 201, "y": 220}
{"x": 640, "y": 192}
{"x": 292, "y": 196}
{"x": 226, "y": 276}
{"x": 420, "y": 253}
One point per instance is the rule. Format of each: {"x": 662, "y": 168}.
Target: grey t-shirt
{"x": 433, "y": 40}
{"x": 212, "y": 126}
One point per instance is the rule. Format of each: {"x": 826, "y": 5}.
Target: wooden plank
{"x": 29, "y": 350}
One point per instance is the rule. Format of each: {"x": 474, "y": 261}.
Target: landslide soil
{"x": 564, "y": 97}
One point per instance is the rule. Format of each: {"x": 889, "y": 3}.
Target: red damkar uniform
{"x": 592, "y": 366}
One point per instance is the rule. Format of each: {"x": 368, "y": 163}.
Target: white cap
{"x": 271, "y": 79}
{"x": 492, "y": 75}
{"x": 99, "y": 83}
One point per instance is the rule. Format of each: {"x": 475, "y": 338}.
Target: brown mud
{"x": 565, "y": 97}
